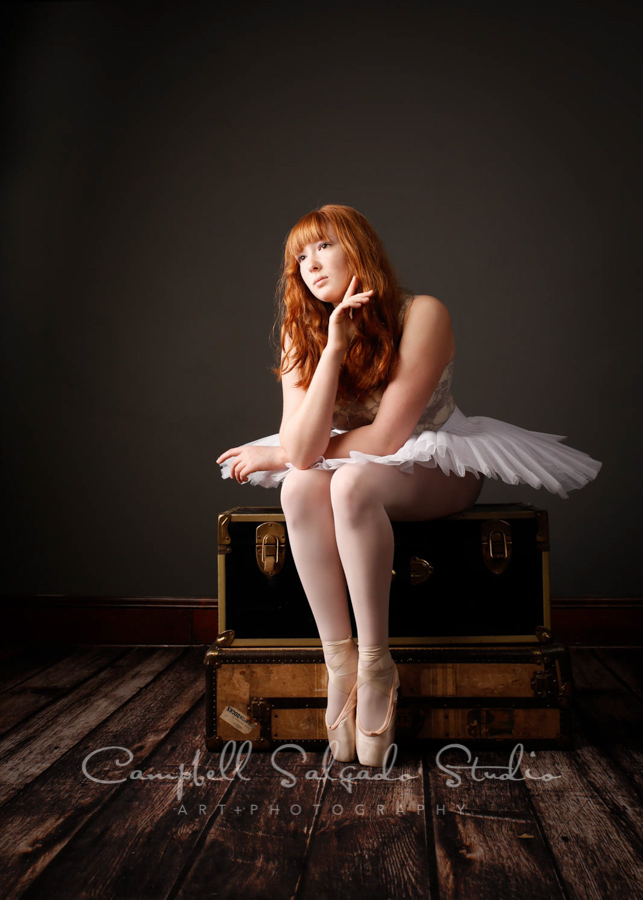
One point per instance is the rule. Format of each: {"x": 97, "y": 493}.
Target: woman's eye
{"x": 301, "y": 258}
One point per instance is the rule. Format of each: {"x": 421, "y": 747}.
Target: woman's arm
{"x": 308, "y": 414}
{"x": 307, "y": 417}
{"x": 362, "y": 438}
{"x": 425, "y": 349}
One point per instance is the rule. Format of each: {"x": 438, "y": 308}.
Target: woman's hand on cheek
{"x": 341, "y": 328}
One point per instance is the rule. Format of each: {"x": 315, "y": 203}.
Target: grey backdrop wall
{"x": 157, "y": 155}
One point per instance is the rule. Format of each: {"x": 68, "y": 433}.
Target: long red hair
{"x": 370, "y": 359}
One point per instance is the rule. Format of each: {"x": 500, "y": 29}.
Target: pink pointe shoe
{"x": 382, "y": 675}
{"x": 341, "y": 661}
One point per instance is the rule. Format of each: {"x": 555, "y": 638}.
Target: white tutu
{"x": 476, "y": 444}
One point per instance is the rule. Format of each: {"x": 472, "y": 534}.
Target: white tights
{"x": 339, "y": 532}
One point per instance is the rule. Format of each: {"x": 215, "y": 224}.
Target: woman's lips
{"x": 321, "y": 280}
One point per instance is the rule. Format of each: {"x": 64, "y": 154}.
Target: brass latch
{"x": 544, "y": 684}
{"x": 496, "y": 545}
{"x": 271, "y": 547}
{"x": 421, "y": 570}
{"x": 260, "y": 713}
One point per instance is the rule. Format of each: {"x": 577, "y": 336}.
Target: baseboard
{"x": 127, "y": 621}
{"x": 185, "y": 621}
{"x": 598, "y": 621}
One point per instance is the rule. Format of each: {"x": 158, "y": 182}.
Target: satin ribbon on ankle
{"x": 379, "y": 674}
{"x": 341, "y": 661}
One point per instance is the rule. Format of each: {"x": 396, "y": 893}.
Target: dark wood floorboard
{"x": 626, "y": 665}
{"x": 23, "y": 663}
{"x": 252, "y": 830}
{"x": 487, "y": 833}
{"x": 43, "y": 688}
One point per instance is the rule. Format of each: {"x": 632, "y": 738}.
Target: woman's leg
{"x": 305, "y": 500}
{"x": 365, "y": 497}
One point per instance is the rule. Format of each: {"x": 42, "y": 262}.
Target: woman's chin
{"x": 329, "y": 299}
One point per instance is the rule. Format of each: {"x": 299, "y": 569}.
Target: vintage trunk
{"x": 480, "y": 576}
{"x": 482, "y": 696}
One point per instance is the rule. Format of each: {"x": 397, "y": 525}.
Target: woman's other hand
{"x": 253, "y": 458}
{"x": 341, "y": 326}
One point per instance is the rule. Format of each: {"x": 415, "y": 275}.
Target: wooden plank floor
{"x": 75, "y": 823}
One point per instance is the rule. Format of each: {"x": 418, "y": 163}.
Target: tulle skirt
{"x": 463, "y": 444}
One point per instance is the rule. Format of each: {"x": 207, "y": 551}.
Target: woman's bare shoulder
{"x": 425, "y": 300}
{"x": 426, "y": 308}
{"x": 428, "y": 305}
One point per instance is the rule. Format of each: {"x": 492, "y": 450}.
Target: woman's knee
{"x": 352, "y": 490}
{"x": 303, "y": 489}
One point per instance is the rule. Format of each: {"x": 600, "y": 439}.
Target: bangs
{"x": 313, "y": 227}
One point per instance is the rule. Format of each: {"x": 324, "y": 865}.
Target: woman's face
{"x": 324, "y": 269}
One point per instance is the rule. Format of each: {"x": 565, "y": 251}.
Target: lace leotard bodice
{"x": 349, "y": 414}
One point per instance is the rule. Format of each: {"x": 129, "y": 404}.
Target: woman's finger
{"x": 354, "y": 301}
{"x": 353, "y": 304}
{"x": 360, "y": 296}
{"x": 233, "y": 451}
{"x": 351, "y": 287}
{"x": 350, "y": 291}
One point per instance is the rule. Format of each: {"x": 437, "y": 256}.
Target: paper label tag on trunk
{"x": 237, "y": 719}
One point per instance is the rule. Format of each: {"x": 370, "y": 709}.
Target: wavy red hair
{"x": 370, "y": 359}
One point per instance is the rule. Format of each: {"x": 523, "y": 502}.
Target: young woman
{"x": 371, "y": 433}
